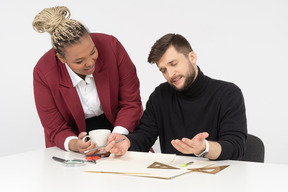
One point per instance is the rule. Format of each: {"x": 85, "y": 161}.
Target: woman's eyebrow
{"x": 81, "y": 58}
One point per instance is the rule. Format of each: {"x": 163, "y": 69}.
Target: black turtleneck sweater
{"x": 208, "y": 105}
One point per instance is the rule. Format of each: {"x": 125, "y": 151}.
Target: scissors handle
{"x": 59, "y": 159}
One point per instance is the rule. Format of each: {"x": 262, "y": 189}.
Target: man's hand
{"x": 189, "y": 146}
{"x": 117, "y": 148}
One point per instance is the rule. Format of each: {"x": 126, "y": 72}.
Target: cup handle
{"x": 83, "y": 139}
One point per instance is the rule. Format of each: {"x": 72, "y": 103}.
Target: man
{"x": 191, "y": 113}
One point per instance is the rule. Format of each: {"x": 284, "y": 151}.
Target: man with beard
{"x": 191, "y": 113}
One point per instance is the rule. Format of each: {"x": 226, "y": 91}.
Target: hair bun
{"x": 50, "y": 18}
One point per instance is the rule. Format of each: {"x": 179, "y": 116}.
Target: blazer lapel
{"x": 103, "y": 87}
{"x": 71, "y": 97}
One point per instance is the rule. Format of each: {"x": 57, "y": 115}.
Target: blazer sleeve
{"x": 129, "y": 101}
{"x": 55, "y": 126}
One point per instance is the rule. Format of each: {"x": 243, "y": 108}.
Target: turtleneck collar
{"x": 196, "y": 88}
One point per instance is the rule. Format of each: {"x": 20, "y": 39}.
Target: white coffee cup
{"x": 99, "y": 137}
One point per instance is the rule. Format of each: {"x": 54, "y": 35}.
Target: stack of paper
{"x": 137, "y": 163}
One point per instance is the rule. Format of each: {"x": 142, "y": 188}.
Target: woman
{"x": 85, "y": 82}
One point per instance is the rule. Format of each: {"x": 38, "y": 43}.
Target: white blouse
{"x": 89, "y": 99}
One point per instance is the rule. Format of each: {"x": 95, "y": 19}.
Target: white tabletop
{"x": 36, "y": 171}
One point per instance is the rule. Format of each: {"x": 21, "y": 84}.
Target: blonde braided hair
{"x": 63, "y": 30}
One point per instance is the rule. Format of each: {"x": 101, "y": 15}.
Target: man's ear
{"x": 62, "y": 59}
{"x": 192, "y": 57}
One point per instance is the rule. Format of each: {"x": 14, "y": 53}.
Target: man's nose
{"x": 170, "y": 73}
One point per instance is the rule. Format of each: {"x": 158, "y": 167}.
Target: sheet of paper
{"x": 136, "y": 163}
{"x": 197, "y": 162}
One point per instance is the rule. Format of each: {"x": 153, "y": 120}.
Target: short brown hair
{"x": 161, "y": 45}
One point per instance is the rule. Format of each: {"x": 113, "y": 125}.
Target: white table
{"x": 36, "y": 171}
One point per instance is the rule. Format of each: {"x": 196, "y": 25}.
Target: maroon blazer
{"x": 57, "y": 101}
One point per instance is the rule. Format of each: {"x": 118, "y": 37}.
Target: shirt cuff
{"x": 121, "y": 130}
{"x": 67, "y": 140}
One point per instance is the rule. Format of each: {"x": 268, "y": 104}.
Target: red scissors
{"x": 92, "y": 158}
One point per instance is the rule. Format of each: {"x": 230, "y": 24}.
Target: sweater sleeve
{"x": 233, "y": 124}
{"x": 145, "y": 134}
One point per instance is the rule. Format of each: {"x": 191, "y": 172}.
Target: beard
{"x": 189, "y": 78}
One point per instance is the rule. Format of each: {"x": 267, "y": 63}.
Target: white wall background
{"x": 244, "y": 42}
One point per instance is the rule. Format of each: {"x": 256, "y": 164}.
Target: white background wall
{"x": 244, "y": 42}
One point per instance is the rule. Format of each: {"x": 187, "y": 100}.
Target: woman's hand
{"x": 80, "y": 146}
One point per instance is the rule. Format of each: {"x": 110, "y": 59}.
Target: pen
{"x": 185, "y": 164}
{"x": 102, "y": 146}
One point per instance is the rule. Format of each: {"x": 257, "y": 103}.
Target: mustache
{"x": 174, "y": 78}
